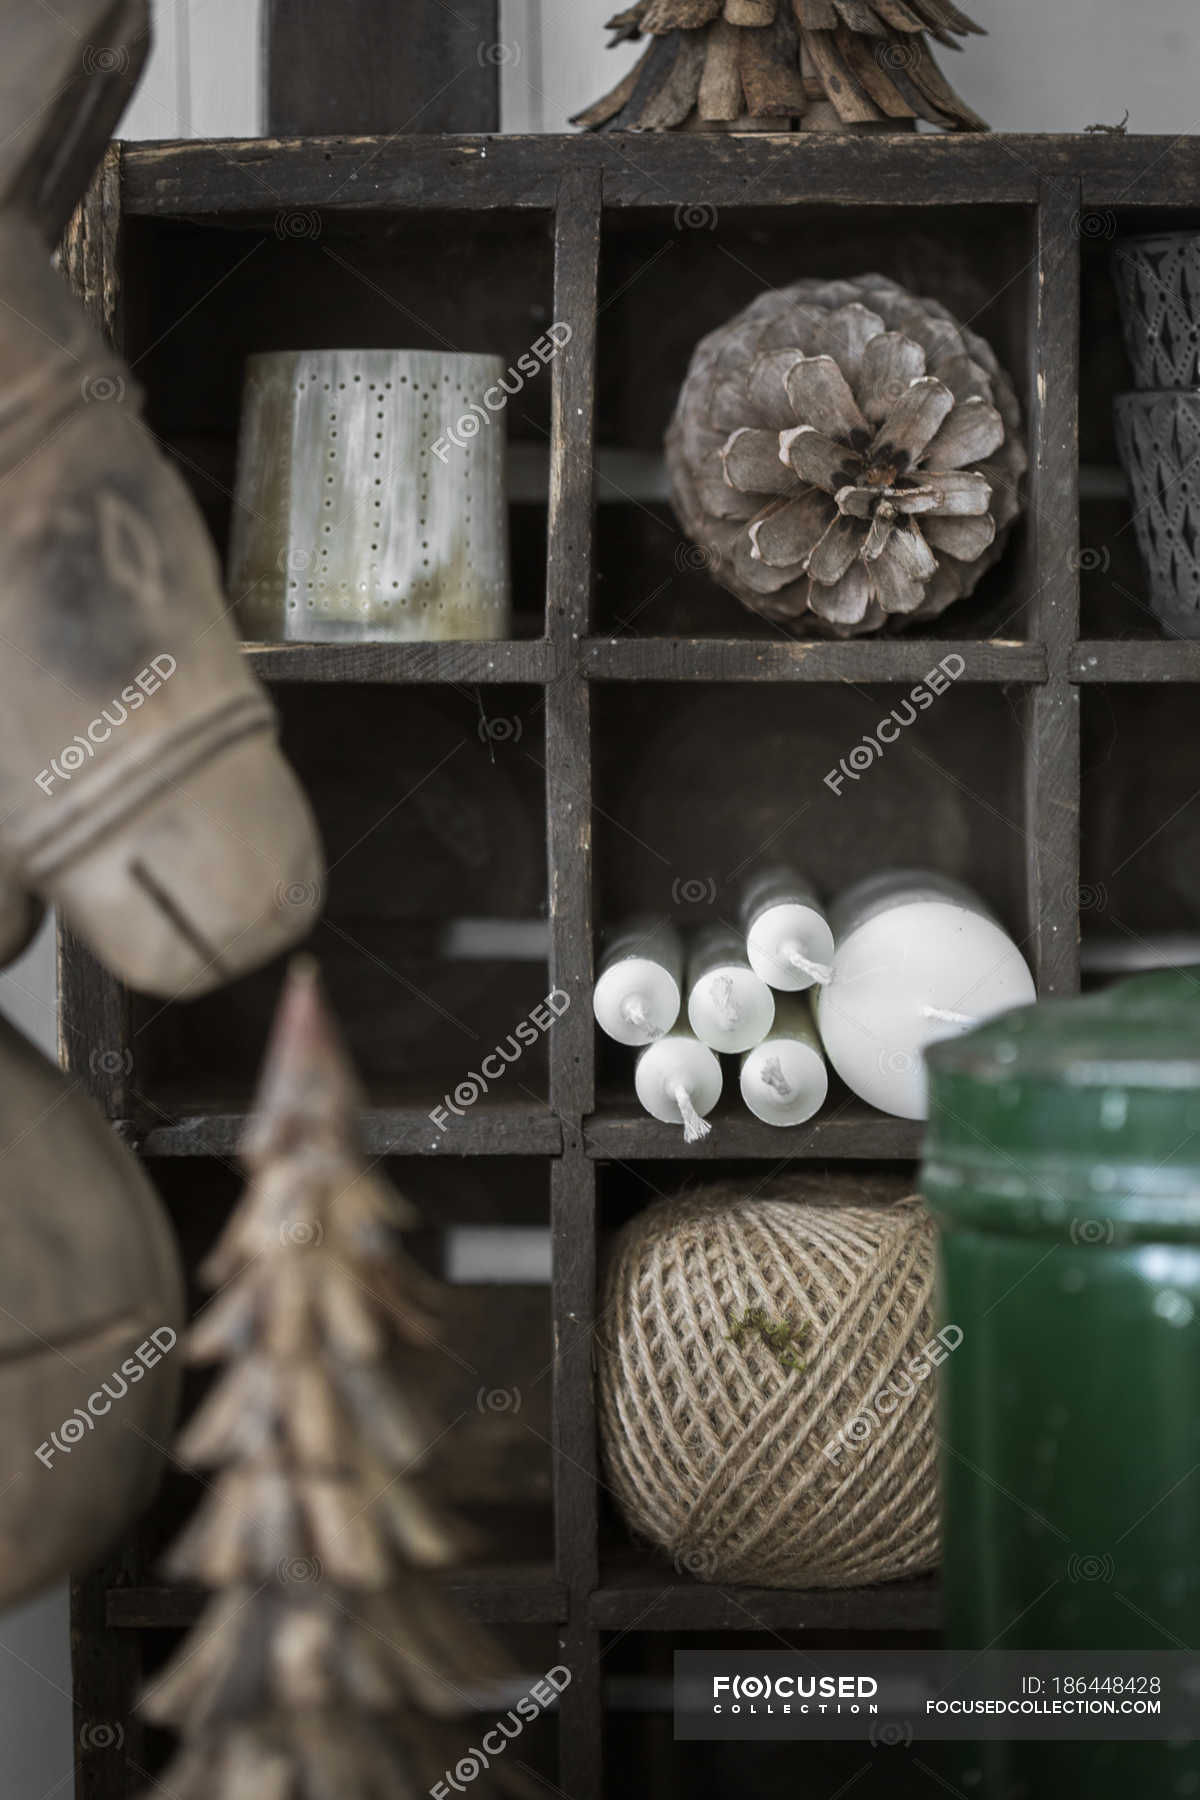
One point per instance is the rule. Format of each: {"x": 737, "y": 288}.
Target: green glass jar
{"x": 1062, "y": 1162}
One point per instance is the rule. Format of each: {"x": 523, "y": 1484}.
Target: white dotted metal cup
{"x": 371, "y": 498}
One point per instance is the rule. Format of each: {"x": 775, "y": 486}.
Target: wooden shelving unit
{"x": 190, "y": 255}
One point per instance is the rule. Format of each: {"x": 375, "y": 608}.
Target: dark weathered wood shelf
{"x": 523, "y": 1128}
{"x": 515, "y": 1595}
{"x": 537, "y": 661}
{"x": 511, "y": 659}
{"x": 1136, "y": 660}
{"x": 259, "y": 176}
{"x": 755, "y": 659}
{"x": 857, "y": 1132}
{"x": 489, "y": 1128}
{"x": 642, "y": 1597}
{"x": 650, "y": 1597}
{"x": 281, "y": 237}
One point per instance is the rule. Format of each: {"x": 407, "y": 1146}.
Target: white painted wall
{"x": 1044, "y": 67}
{"x": 203, "y": 76}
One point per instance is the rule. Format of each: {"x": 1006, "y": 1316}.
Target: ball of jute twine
{"x": 719, "y": 1450}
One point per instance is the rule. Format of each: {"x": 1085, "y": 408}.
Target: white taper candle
{"x": 638, "y": 991}
{"x": 788, "y": 940}
{"x": 784, "y": 1079}
{"x": 678, "y": 1080}
{"x": 730, "y": 1008}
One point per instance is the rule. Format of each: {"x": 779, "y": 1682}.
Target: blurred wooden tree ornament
{"x": 328, "y": 1662}
{"x": 141, "y": 787}
{"x": 768, "y": 64}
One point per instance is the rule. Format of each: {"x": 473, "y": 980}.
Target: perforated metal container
{"x": 1158, "y": 441}
{"x": 1158, "y": 287}
{"x": 371, "y": 499}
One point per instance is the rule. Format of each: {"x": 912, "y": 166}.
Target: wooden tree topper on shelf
{"x": 328, "y": 1662}
{"x": 763, "y": 65}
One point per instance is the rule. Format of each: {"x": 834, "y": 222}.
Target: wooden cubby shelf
{"x": 628, "y": 1598}
{"x": 532, "y": 661}
{"x": 634, "y": 1597}
{"x": 1136, "y": 660}
{"x": 526, "y": 1129}
{"x": 609, "y": 755}
{"x": 514, "y": 1595}
{"x": 752, "y": 659}
{"x": 512, "y": 659}
{"x": 858, "y": 1132}
{"x": 520, "y": 1128}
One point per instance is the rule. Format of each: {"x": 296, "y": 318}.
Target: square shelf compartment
{"x": 1114, "y": 587}
{"x": 485, "y": 1379}
{"x": 196, "y": 303}
{"x": 699, "y": 787}
{"x": 1140, "y": 828}
{"x": 430, "y": 802}
{"x": 669, "y": 276}
{"x": 531, "y": 1651}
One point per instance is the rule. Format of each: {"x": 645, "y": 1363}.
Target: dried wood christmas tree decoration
{"x": 847, "y": 455}
{"x": 765, "y": 64}
{"x": 328, "y": 1666}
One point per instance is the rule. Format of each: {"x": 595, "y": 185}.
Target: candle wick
{"x": 633, "y": 1011}
{"x": 724, "y": 1004}
{"x": 947, "y": 1017}
{"x": 771, "y": 1075}
{"x": 820, "y": 972}
{"x": 694, "y": 1127}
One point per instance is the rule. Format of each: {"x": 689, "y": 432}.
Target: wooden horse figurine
{"x": 142, "y": 789}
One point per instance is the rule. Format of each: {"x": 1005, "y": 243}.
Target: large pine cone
{"x": 847, "y": 454}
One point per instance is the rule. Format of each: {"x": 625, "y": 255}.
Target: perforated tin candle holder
{"x": 371, "y": 499}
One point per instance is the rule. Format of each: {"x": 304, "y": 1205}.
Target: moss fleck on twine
{"x": 736, "y": 1463}
{"x": 780, "y": 1335}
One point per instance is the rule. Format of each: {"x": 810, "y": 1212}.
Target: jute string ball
{"x": 766, "y": 1412}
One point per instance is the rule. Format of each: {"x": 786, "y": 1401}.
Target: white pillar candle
{"x": 638, "y": 992}
{"x": 918, "y": 958}
{"x": 730, "y": 1008}
{"x": 788, "y": 940}
{"x": 678, "y": 1080}
{"x": 784, "y": 1079}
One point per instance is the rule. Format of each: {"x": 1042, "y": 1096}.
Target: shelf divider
{"x": 464, "y": 664}
{"x": 577, "y": 224}
{"x": 857, "y": 1132}
{"x": 490, "y": 1128}
{"x": 1051, "y": 712}
{"x": 1147, "y": 660}
{"x": 650, "y": 1596}
{"x": 809, "y": 659}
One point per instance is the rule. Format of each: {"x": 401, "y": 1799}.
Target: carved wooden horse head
{"x": 142, "y": 790}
